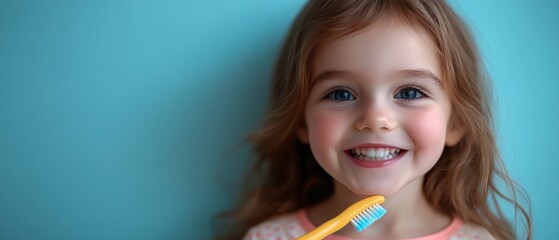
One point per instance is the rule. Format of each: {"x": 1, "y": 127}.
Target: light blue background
{"x": 120, "y": 119}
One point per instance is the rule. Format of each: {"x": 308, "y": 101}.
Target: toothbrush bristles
{"x": 368, "y": 217}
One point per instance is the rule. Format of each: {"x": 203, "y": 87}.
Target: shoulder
{"x": 472, "y": 231}
{"x": 281, "y": 227}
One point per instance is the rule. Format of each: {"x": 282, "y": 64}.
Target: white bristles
{"x": 368, "y": 217}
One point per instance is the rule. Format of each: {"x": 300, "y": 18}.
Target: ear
{"x": 454, "y": 132}
{"x": 303, "y": 134}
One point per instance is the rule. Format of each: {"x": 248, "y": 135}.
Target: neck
{"x": 409, "y": 213}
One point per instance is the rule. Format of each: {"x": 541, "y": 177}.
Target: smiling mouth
{"x": 375, "y": 154}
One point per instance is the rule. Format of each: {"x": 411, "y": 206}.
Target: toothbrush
{"x": 361, "y": 215}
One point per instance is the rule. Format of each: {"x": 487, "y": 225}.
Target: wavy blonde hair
{"x": 285, "y": 177}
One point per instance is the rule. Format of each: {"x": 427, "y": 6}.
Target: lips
{"x": 374, "y": 156}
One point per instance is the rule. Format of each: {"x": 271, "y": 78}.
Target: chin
{"x": 385, "y": 188}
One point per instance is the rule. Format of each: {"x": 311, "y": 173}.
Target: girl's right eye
{"x": 340, "y": 95}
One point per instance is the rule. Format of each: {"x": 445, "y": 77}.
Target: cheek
{"x": 325, "y": 130}
{"x": 428, "y": 129}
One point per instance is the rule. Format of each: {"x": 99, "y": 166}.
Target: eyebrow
{"x": 328, "y": 75}
{"x": 408, "y": 73}
{"x": 421, "y": 74}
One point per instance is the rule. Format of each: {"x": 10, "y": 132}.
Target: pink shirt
{"x": 291, "y": 226}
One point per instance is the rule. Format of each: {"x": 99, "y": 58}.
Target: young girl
{"x": 377, "y": 97}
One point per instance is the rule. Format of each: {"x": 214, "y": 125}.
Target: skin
{"x": 383, "y": 86}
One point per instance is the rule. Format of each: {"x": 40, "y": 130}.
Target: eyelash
{"x": 415, "y": 87}
{"x": 335, "y": 89}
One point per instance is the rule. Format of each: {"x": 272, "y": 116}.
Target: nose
{"x": 376, "y": 117}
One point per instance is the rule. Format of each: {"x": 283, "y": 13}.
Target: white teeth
{"x": 372, "y": 154}
{"x": 380, "y": 153}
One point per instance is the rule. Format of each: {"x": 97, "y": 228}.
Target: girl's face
{"x": 377, "y": 117}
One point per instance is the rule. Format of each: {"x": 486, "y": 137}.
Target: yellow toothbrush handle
{"x": 342, "y": 219}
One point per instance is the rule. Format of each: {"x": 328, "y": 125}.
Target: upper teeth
{"x": 378, "y": 153}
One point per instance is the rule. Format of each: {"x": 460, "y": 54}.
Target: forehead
{"x": 378, "y": 51}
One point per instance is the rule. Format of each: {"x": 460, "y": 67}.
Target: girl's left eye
{"x": 340, "y": 95}
{"x": 409, "y": 93}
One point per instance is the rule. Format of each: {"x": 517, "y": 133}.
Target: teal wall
{"x": 120, "y": 119}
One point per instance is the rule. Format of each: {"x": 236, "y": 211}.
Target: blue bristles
{"x": 368, "y": 217}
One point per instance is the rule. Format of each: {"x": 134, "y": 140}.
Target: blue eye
{"x": 409, "y": 93}
{"x": 340, "y": 95}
